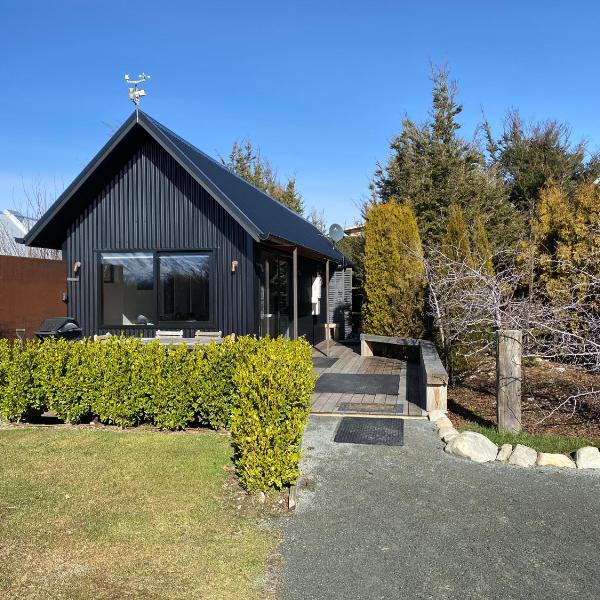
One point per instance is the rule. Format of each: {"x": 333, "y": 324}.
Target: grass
{"x": 116, "y": 515}
{"x": 542, "y": 442}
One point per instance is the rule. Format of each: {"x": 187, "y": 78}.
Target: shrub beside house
{"x": 257, "y": 388}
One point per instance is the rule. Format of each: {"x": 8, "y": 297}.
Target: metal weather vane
{"x": 136, "y": 94}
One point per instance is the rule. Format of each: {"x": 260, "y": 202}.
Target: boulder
{"x": 447, "y": 433}
{"x": 523, "y": 456}
{"x": 588, "y": 458}
{"x": 474, "y": 446}
{"x": 547, "y": 459}
{"x": 436, "y": 415}
{"x": 504, "y": 453}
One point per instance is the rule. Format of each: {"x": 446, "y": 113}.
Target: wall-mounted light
{"x": 76, "y": 266}
{"x": 234, "y": 266}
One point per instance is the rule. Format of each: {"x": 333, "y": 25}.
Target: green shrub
{"x": 213, "y": 372}
{"x": 393, "y": 271}
{"x": 67, "y": 377}
{"x": 120, "y": 397}
{"x": 274, "y": 384}
{"x": 165, "y": 378}
{"x": 260, "y": 389}
{"x": 19, "y": 392}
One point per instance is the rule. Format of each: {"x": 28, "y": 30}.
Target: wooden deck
{"x": 349, "y": 361}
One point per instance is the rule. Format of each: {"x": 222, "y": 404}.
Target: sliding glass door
{"x": 274, "y": 300}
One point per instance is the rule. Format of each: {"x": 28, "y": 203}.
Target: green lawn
{"x": 542, "y": 442}
{"x": 115, "y": 515}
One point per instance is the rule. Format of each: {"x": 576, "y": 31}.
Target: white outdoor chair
{"x": 169, "y": 334}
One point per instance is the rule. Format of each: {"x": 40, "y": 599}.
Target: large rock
{"x": 474, "y": 446}
{"x": 436, "y": 415}
{"x": 504, "y": 453}
{"x": 546, "y": 459}
{"x": 523, "y": 456}
{"x": 588, "y": 458}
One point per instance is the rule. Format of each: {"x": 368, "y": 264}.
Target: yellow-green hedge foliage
{"x": 273, "y": 386}
{"x": 393, "y": 270}
{"x": 259, "y": 389}
{"x": 19, "y": 393}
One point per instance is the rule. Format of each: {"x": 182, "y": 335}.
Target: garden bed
{"x": 472, "y": 405}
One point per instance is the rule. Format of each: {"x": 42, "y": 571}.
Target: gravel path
{"x": 413, "y": 522}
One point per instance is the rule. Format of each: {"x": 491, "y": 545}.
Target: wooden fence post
{"x": 509, "y": 351}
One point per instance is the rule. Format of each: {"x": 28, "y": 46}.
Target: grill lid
{"x": 58, "y": 325}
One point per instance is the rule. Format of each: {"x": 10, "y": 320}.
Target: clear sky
{"x": 321, "y": 86}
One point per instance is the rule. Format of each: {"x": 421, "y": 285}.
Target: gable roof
{"x": 260, "y": 215}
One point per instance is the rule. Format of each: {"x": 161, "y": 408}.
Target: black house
{"x": 158, "y": 235}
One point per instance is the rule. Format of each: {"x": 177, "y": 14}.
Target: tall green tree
{"x": 246, "y": 161}
{"x": 566, "y": 242}
{"x": 393, "y": 272}
{"x": 456, "y": 243}
{"x": 433, "y": 167}
{"x": 482, "y": 249}
{"x": 530, "y": 155}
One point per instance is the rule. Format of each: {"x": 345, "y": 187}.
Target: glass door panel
{"x": 275, "y": 313}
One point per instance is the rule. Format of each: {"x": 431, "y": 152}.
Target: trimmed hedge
{"x": 259, "y": 389}
{"x": 273, "y": 383}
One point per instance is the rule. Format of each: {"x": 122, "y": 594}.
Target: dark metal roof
{"x": 263, "y": 217}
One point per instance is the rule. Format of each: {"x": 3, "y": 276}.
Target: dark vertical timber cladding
{"x": 151, "y": 203}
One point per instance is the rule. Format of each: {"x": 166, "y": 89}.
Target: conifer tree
{"x": 456, "y": 243}
{"x": 531, "y": 155}
{"x": 482, "y": 249}
{"x": 393, "y": 271}
{"x": 566, "y": 240}
{"x": 434, "y": 168}
{"x": 247, "y": 162}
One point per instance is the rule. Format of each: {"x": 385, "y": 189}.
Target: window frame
{"x": 208, "y": 324}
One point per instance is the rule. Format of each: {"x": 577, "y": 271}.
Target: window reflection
{"x": 184, "y": 287}
{"x": 128, "y": 289}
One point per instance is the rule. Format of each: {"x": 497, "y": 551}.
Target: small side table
{"x": 329, "y": 328}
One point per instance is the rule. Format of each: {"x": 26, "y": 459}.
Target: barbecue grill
{"x": 59, "y": 327}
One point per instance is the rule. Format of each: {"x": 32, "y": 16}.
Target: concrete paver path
{"x": 413, "y": 522}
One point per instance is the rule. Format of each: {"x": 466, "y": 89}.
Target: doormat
{"x": 345, "y": 383}
{"x": 392, "y": 409}
{"x": 323, "y": 362}
{"x": 361, "y": 430}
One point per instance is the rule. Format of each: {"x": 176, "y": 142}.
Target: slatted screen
{"x": 340, "y": 301}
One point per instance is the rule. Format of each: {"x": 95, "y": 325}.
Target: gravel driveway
{"x": 413, "y": 522}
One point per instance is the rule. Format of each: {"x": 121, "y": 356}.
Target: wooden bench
{"x": 433, "y": 377}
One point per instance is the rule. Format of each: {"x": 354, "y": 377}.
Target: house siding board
{"x": 151, "y": 203}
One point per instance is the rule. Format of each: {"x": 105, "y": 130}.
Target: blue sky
{"x": 320, "y": 86}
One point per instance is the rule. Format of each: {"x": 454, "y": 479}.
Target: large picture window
{"x": 184, "y": 286}
{"x": 145, "y": 288}
{"x": 128, "y": 289}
